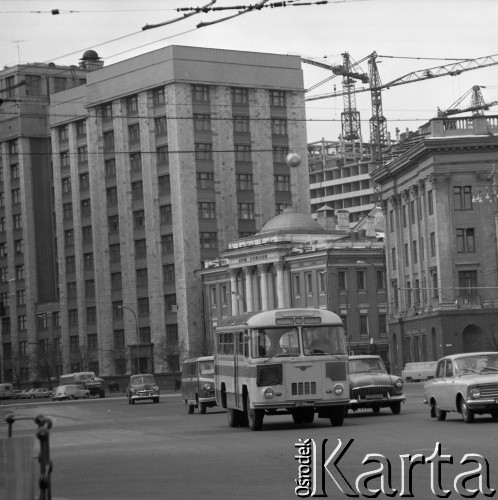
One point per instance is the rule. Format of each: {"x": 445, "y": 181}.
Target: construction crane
{"x": 378, "y": 129}
{"x": 477, "y": 104}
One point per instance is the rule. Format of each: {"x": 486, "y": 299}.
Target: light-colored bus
{"x": 290, "y": 361}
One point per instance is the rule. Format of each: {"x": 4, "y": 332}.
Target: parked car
{"x": 464, "y": 383}
{"x": 70, "y": 392}
{"x": 142, "y": 387}
{"x": 24, "y": 394}
{"x": 15, "y": 394}
{"x": 40, "y": 393}
{"x": 198, "y": 383}
{"x": 415, "y": 372}
{"x": 372, "y": 387}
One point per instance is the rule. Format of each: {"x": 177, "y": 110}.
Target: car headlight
{"x": 338, "y": 389}
{"x": 475, "y": 392}
{"x": 269, "y": 393}
{"x": 398, "y": 383}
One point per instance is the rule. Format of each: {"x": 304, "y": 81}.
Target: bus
{"x": 87, "y": 379}
{"x": 291, "y": 361}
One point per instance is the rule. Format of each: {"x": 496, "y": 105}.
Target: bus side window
{"x": 246, "y": 338}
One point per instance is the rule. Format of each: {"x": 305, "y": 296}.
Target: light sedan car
{"x": 40, "y": 393}
{"x": 464, "y": 383}
{"x": 142, "y": 387}
{"x": 70, "y": 392}
{"x": 372, "y": 387}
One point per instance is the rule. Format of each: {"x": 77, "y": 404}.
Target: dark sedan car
{"x": 142, "y": 387}
{"x": 372, "y": 387}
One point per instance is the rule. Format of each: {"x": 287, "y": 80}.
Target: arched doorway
{"x": 475, "y": 339}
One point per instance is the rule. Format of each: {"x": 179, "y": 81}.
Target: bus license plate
{"x": 305, "y": 403}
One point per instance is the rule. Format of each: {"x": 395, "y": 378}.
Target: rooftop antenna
{"x": 17, "y": 43}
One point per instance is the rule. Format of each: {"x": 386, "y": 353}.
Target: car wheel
{"x": 396, "y": 408}
{"x": 190, "y": 408}
{"x": 233, "y": 417}
{"x": 132, "y": 401}
{"x": 337, "y": 414}
{"x": 375, "y": 408}
{"x": 254, "y": 416}
{"x": 494, "y": 415}
{"x": 156, "y": 400}
{"x": 467, "y": 413}
{"x": 440, "y": 414}
{"x": 432, "y": 409}
{"x": 202, "y": 408}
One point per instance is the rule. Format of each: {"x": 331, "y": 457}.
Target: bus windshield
{"x": 206, "y": 369}
{"x": 322, "y": 340}
{"x": 275, "y": 342}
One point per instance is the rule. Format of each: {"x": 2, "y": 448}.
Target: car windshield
{"x": 477, "y": 363}
{"x": 366, "y": 365}
{"x": 206, "y": 368}
{"x": 142, "y": 379}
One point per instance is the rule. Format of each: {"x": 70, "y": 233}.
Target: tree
{"x": 47, "y": 362}
{"x": 20, "y": 364}
{"x": 118, "y": 357}
{"x": 168, "y": 351}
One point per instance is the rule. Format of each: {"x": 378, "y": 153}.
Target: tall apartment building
{"x": 158, "y": 162}
{"x": 28, "y": 293}
{"x": 440, "y": 199}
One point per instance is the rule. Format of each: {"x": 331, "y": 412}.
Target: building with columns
{"x": 295, "y": 261}
{"x": 439, "y": 198}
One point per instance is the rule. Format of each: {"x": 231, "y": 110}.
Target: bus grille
{"x": 488, "y": 391}
{"x": 371, "y": 391}
{"x": 303, "y": 388}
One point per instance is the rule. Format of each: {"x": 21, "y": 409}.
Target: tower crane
{"x": 477, "y": 104}
{"x": 378, "y": 129}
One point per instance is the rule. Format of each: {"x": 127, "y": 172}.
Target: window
{"x": 4, "y": 271}
{"x": 112, "y": 196}
{"x": 430, "y": 201}
{"x": 161, "y": 125}
{"x": 207, "y": 210}
{"x": 140, "y": 249}
{"x": 422, "y": 250}
{"x": 245, "y": 211}
{"x": 209, "y": 240}
{"x": 391, "y": 220}
{"x": 56, "y": 319}
{"x": 64, "y": 159}
{"x": 282, "y": 182}
{"x": 200, "y": 93}
{"x": 170, "y": 302}
{"x": 71, "y": 290}
{"x": 116, "y": 282}
{"x": 2, "y": 199}
{"x": 142, "y": 279}
{"x": 135, "y": 161}
{"x": 363, "y": 325}
{"x": 117, "y": 309}
{"x": 132, "y": 104}
{"x": 138, "y": 219}
{"x": 462, "y": 197}
{"x": 277, "y": 98}
{"x": 74, "y": 343}
{"x": 66, "y": 185}
{"x": 92, "y": 341}
{"x": 137, "y": 190}
{"x": 407, "y": 255}
{"x": 435, "y": 286}
{"x": 84, "y": 181}
{"x": 381, "y": 279}
{"x": 202, "y": 122}
{"x": 88, "y": 261}
{"x": 60, "y": 83}
{"x": 203, "y": 151}
{"x": 382, "y": 323}
{"x": 244, "y": 182}
{"x": 3, "y": 249}
{"x": 89, "y": 288}
{"x": 205, "y": 180}
{"x": 69, "y": 238}
{"x": 9, "y": 88}
{"x": 114, "y": 253}
{"x": 143, "y": 306}
{"x": 110, "y": 168}
{"x": 162, "y": 155}
{"x": 240, "y": 95}
{"x": 134, "y": 133}
{"x": 16, "y": 195}
{"x": 73, "y": 317}
{"x": 108, "y": 140}
{"x": 144, "y": 335}
{"x": 414, "y": 251}
{"x": 81, "y": 128}
{"x": 164, "y": 184}
{"x": 242, "y": 152}
{"x": 107, "y": 111}
{"x": 70, "y": 264}
{"x": 241, "y": 124}
{"x": 433, "y": 244}
{"x": 3, "y": 225}
{"x": 63, "y": 133}
{"x": 86, "y": 233}
{"x": 113, "y": 223}
{"x": 165, "y": 214}
{"x": 82, "y": 154}
{"x": 22, "y": 323}
{"x": 67, "y": 211}
{"x": 86, "y": 210}
{"x": 279, "y": 126}
{"x": 465, "y": 240}
{"x": 404, "y": 215}
{"x": 119, "y": 338}
{"x": 342, "y": 278}
{"x": 280, "y": 207}
{"x": 467, "y": 283}
{"x": 17, "y": 221}
{"x": 280, "y": 154}
{"x": 361, "y": 279}
{"x": 408, "y": 293}
{"x": 33, "y": 84}
{"x": 158, "y": 96}
{"x": 169, "y": 273}
{"x": 167, "y": 243}
{"x": 412, "y": 212}
{"x": 14, "y": 172}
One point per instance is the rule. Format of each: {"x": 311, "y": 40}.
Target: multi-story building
{"x": 439, "y": 197}
{"x": 30, "y": 330}
{"x": 158, "y": 162}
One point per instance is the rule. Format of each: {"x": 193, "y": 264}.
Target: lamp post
{"x": 136, "y": 329}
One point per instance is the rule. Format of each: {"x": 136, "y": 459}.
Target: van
{"x": 198, "y": 383}
{"x": 415, "y": 372}
{"x": 6, "y": 391}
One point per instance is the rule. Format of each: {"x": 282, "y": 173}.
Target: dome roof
{"x": 90, "y": 55}
{"x": 293, "y": 222}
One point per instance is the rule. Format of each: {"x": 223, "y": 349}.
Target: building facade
{"x": 441, "y": 240}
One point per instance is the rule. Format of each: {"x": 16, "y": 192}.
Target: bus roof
{"x": 261, "y": 318}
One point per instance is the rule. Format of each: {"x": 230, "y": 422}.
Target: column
{"x": 234, "y": 291}
{"x": 248, "y": 271}
{"x": 264, "y": 286}
{"x": 280, "y": 284}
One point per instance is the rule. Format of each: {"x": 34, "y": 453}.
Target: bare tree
{"x": 169, "y": 350}
{"x": 119, "y": 353}
{"x": 80, "y": 358}
{"x": 47, "y": 362}
{"x": 20, "y": 364}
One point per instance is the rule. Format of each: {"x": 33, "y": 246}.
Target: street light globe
{"x": 293, "y": 160}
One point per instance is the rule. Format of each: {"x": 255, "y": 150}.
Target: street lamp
{"x": 136, "y": 328}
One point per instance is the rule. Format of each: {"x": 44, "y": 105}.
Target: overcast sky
{"x": 403, "y": 28}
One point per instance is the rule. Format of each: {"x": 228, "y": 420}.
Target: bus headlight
{"x": 207, "y": 386}
{"x": 475, "y": 392}
{"x": 338, "y": 389}
{"x": 269, "y": 393}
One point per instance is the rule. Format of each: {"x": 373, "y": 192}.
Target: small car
{"x": 142, "y": 386}
{"x": 24, "y": 394}
{"x": 198, "y": 383}
{"x": 15, "y": 394}
{"x": 372, "y": 387}
{"x": 464, "y": 383}
{"x": 40, "y": 393}
{"x": 415, "y": 372}
{"x": 70, "y": 392}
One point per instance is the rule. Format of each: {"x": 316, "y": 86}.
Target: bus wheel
{"x": 309, "y": 415}
{"x": 254, "y": 416}
{"x": 233, "y": 417}
{"x": 337, "y": 416}
{"x": 202, "y": 408}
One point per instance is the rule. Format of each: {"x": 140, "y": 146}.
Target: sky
{"x": 419, "y": 33}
